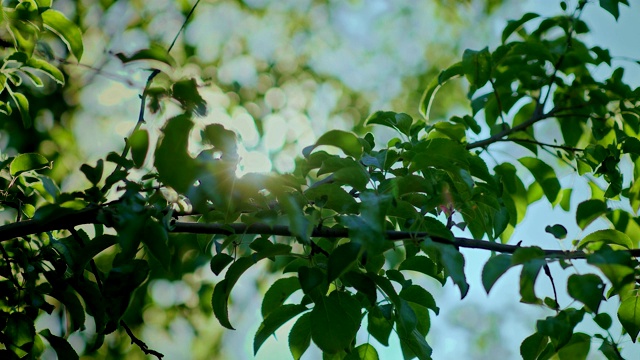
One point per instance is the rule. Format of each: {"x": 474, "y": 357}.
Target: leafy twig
{"x": 145, "y": 93}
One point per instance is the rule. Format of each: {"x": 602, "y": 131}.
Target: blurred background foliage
{"x": 279, "y": 73}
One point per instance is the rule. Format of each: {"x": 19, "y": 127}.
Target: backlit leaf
{"x": 544, "y": 175}
{"x": 300, "y": 336}
{"x": 629, "y": 316}
{"x": 278, "y": 293}
{"x": 426, "y": 101}
{"x": 345, "y": 141}
{"x": 28, "y": 162}
{"x": 67, "y": 31}
{"x": 590, "y": 210}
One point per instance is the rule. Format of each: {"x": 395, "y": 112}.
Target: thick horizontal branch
{"x": 90, "y": 216}
{"x": 281, "y": 230}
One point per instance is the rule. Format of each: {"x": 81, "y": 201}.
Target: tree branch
{"x": 497, "y": 137}
{"x": 90, "y": 216}
{"x": 562, "y": 147}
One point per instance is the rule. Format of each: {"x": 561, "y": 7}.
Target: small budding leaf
{"x": 557, "y": 230}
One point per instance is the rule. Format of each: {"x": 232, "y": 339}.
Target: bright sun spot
{"x": 252, "y": 162}
{"x": 115, "y": 94}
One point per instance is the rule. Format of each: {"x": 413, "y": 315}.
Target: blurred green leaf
{"x": 515, "y": 25}
{"x": 23, "y": 107}
{"x": 139, "y": 142}
{"x": 27, "y": 162}
{"x": 67, "y": 31}
{"x": 60, "y": 345}
{"x": 454, "y": 71}
{"x": 156, "y": 53}
{"x": 590, "y": 210}
{"x": 544, "y": 175}
{"x": 606, "y": 236}
{"x": 345, "y": 141}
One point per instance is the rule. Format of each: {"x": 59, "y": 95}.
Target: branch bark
{"x": 91, "y": 216}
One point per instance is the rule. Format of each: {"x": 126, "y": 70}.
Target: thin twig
{"x": 529, "y": 141}
{"x": 140, "y": 343}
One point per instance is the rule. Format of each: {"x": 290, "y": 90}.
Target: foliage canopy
{"x": 349, "y": 228}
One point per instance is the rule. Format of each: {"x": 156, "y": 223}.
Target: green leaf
{"x": 588, "y": 289}
{"x": 93, "y": 174}
{"x": 346, "y": 141}
{"x": 477, "y": 67}
{"x": 515, "y": 25}
{"x": 278, "y": 293}
{"x": 139, "y": 142}
{"x": 342, "y": 259}
{"x": 186, "y": 92}
{"x": 380, "y": 323}
{"x": 399, "y": 121}
{"x": 74, "y": 308}
{"x": 533, "y": 345}
{"x": 422, "y": 264}
{"x": 590, "y": 210}
{"x": 559, "y": 328}
{"x": 426, "y": 101}
{"x": 363, "y": 352}
{"x": 336, "y": 320}
{"x": 44, "y": 66}
{"x": 544, "y": 175}
{"x": 222, "y": 290}
{"x": 175, "y": 167}
{"x": 67, "y": 31}
{"x": 60, "y": 345}
{"x": 606, "y": 236}
{"x": 19, "y": 330}
{"x": 23, "y": 107}
{"x": 417, "y": 294}
{"x": 300, "y": 336}
{"x": 453, "y": 263}
{"x": 28, "y": 162}
{"x": 557, "y": 230}
{"x": 629, "y": 316}
{"x": 577, "y": 348}
{"x": 612, "y": 7}
{"x": 603, "y": 320}
{"x": 617, "y": 266}
{"x": 493, "y": 269}
{"x": 156, "y": 53}
{"x": 220, "y": 261}
{"x": 528, "y": 276}
{"x": 155, "y": 238}
{"x": 273, "y": 321}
